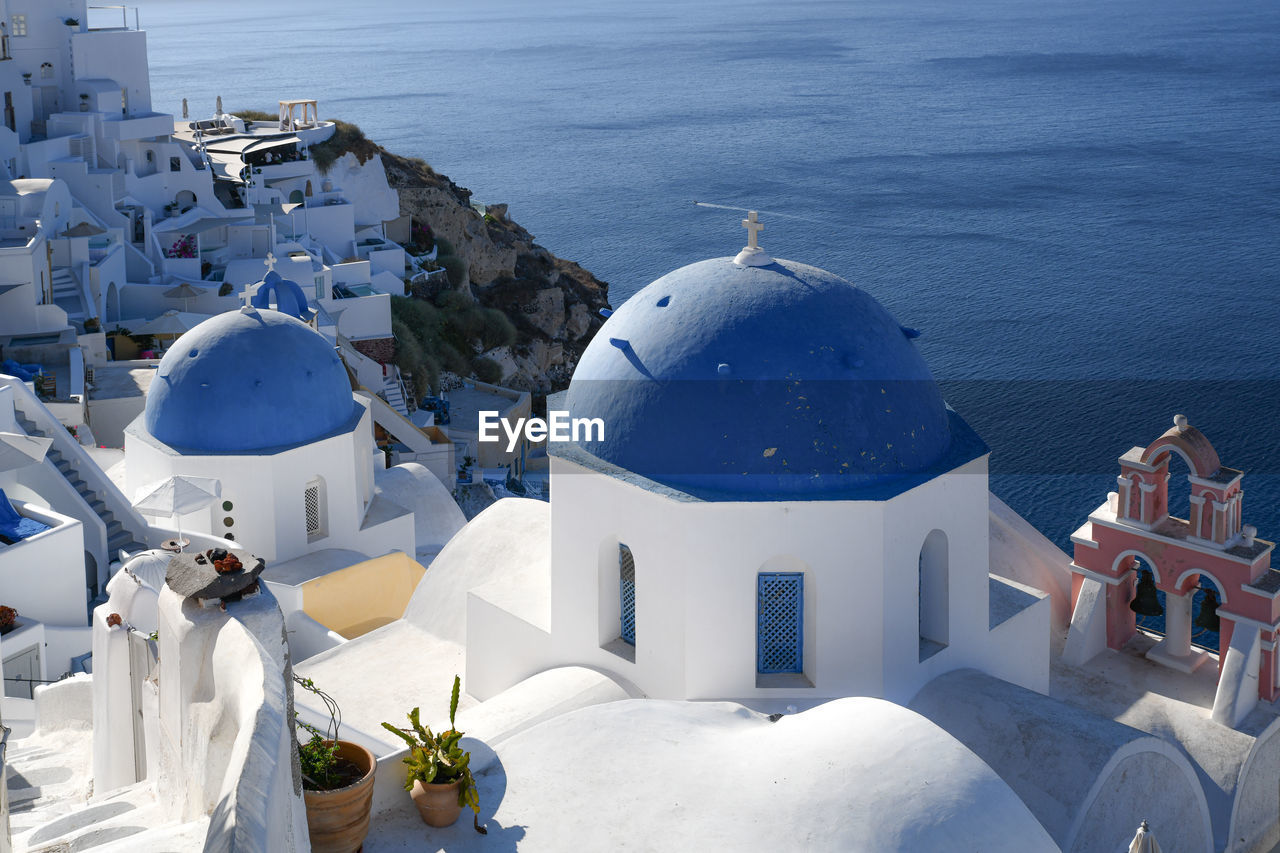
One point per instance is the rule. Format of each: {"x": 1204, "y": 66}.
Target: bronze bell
{"x": 1145, "y": 602}
{"x": 1207, "y": 618}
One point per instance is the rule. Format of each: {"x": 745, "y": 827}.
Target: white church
{"x": 773, "y": 607}
{"x": 811, "y": 605}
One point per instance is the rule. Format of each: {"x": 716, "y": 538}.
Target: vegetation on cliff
{"x": 552, "y": 304}
{"x": 442, "y": 333}
{"x": 512, "y": 312}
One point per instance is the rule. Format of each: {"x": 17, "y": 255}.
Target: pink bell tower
{"x": 1210, "y": 547}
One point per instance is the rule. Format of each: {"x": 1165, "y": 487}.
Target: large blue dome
{"x": 784, "y": 373}
{"x": 243, "y": 382}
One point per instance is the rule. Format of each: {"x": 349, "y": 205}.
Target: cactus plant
{"x": 437, "y": 758}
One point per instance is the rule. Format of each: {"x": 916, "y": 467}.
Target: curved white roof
{"x": 853, "y": 774}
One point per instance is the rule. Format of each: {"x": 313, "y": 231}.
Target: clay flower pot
{"x": 438, "y": 804}
{"x": 338, "y": 820}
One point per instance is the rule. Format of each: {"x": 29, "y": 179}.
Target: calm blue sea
{"x": 1077, "y": 202}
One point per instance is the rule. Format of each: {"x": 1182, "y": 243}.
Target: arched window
{"x": 46, "y": 70}
{"x": 934, "y": 595}
{"x": 308, "y": 189}
{"x": 295, "y": 197}
{"x": 313, "y": 500}
{"x": 616, "y": 604}
{"x": 627, "y": 594}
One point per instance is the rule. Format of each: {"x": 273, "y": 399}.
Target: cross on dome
{"x": 753, "y": 255}
{"x": 270, "y": 262}
{"x": 754, "y": 227}
{"x": 246, "y": 297}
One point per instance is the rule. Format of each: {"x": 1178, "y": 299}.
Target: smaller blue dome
{"x": 243, "y": 382}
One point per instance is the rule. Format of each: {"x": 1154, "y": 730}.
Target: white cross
{"x": 270, "y": 262}
{"x": 753, "y": 226}
{"x": 245, "y": 296}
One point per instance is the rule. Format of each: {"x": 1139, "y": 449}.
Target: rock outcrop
{"x": 555, "y": 304}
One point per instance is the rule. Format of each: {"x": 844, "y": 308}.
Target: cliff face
{"x": 555, "y": 304}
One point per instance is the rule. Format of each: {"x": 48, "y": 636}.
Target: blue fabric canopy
{"x": 14, "y": 526}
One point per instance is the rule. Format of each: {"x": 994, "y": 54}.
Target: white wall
{"x": 266, "y": 492}
{"x": 118, "y": 55}
{"x": 43, "y": 576}
{"x": 696, "y": 588}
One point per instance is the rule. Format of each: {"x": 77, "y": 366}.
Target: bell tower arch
{"x": 1145, "y": 567}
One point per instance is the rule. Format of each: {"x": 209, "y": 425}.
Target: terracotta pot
{"x": 338, "y": 820}
{"x": 438, "y": 804}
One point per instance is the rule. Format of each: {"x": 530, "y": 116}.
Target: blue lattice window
{"x": 627, "y": 593}
{"x": 780, "y": 622}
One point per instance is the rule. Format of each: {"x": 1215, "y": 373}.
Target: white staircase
{"x": 118, "y": 536}
{"x": 393, "y": 393}
{"x": 66, "y": 294}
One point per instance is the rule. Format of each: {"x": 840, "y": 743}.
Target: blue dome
{"x": 785, "y": 373}
{"x": 245, "y": 382}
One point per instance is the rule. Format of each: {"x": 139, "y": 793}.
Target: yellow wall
{"x": 359, "y": 598}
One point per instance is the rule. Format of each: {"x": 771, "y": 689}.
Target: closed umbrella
{"x": 1144, "y": 841}
{"x": 184, "y": 292}
{"x": 177, "y": 496}
{"x": 18, "y": 450}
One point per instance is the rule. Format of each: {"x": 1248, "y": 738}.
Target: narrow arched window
{"x": 627, "y": 594}
{"x": 934, "y": 595}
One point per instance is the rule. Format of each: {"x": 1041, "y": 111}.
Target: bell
{"x": 1207, "y": 618}
{"x": 1145, "y": 602}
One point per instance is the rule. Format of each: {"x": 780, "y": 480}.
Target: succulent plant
{"x": 437, "y": 758}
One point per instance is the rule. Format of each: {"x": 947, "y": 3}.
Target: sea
{"x": 1076, "y": 202}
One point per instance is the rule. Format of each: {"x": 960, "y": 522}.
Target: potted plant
{"x": 337, "y": 781}
{"x": 8, "y": 619}
{"x": 439, "y": 776}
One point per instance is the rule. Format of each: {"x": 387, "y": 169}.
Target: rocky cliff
{"x": 553, "y": 303}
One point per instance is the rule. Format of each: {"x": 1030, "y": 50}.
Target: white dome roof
{"x": 852, "y": 774}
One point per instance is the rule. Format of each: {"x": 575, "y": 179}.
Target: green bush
{"x": 411, "y": 358}
{"x": 346, "y": 137}
{"x": 443, "y": 334}
{"x": 486, "y": 369}
{"x": 499, "y": 331}
{"x": 256, "y": 115}
{"x": 457, "y": 268}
